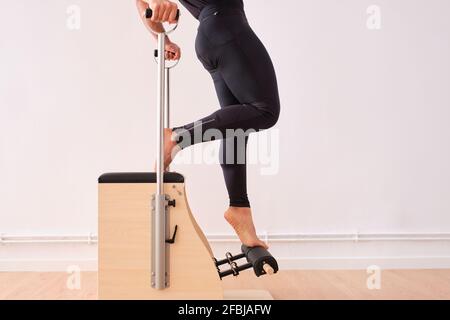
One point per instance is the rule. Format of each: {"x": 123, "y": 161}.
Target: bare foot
{"x": 171, "y": 148}
{"x": 242, "y": 222}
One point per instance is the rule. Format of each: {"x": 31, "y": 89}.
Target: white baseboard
{"x": 38, "y": 253}
{"x": 304, "y": 263}
{"x": 230, "y": 238}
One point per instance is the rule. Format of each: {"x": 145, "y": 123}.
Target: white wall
{"x": 363, "y": 137}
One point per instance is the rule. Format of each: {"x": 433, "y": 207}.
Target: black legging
{"x": 246, "y": 86}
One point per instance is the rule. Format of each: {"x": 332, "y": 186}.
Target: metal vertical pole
{"x": 159, "y": 221}
{"x": 159, "y": 225}
{"x": 167, "y": 101}
{"x": 160, "y": 102}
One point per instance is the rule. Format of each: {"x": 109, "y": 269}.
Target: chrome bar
{"x": 159, "y": 221}
{"x": 167, "y": 100}
{"x": 159, "y": 218}
{"x": 160, "y": 114}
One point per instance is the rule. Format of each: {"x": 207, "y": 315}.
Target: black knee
{"x": 272, "y": 119}
{"x": 269, "y": 113}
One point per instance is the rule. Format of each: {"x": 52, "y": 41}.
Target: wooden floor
{"x": 398, "y": 284}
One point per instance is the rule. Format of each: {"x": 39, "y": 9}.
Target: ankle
{"x": 236, "y": 211}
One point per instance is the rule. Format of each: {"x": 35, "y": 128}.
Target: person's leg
{"x": 233, "y": 161}
{"x": 234, "y": 170}
{"x": 239, "y": 214}
{"x": 247, "y": 88}
{"x": 233, "y": 150}
{"x": 248, "y": 73}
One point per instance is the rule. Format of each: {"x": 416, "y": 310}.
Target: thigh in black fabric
{"x": 262, "y": 64}
{"x": 247, "y": 69}
{"x": 238, "y": 73}
{"x": 224, "y": 94}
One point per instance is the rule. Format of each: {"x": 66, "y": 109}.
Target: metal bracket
{"x": 234, "y": 268}
{"x": 233, "y": 264}
{"x": 168, "y": 203}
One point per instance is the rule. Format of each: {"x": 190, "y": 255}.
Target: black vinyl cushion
{"x": 139, "y": 177}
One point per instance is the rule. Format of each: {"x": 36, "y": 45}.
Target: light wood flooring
{"x": 395, "y": 284}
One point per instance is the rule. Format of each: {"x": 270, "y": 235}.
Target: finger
{"x": 169, "y": 55}
{"x": 167, "y": 9}
{"x": 156, "y": 11}
{"x": 169, "y": 49}
{"x": 161, "y": 13}
{"x": 173, "y": 13}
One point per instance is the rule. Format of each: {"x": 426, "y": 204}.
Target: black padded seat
{"x": 139, "y": 177}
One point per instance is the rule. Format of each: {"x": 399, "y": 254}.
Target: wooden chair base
{"x": 125, "y": 244}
